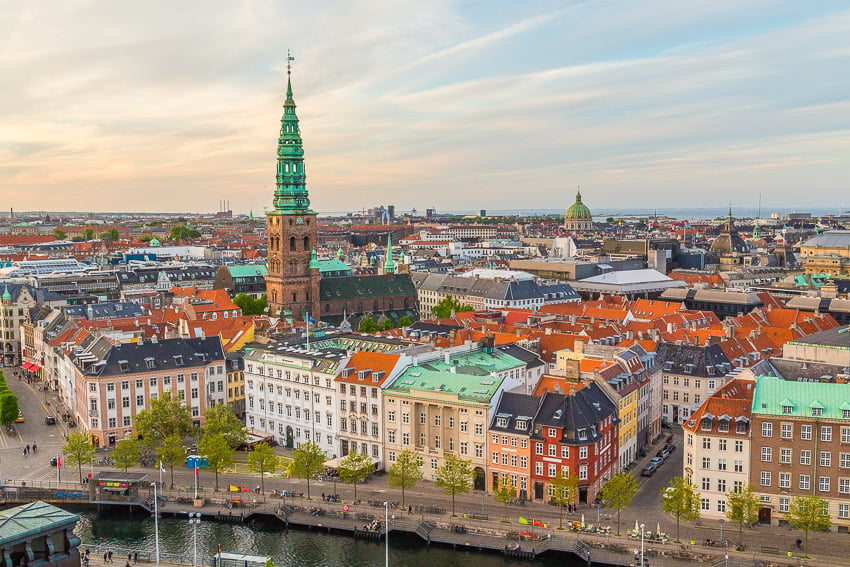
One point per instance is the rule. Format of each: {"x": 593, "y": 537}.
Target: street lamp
{"x": 194, "y": 520}
{"x": 721, "y": 531}
{"x": 156, "y": 521}
{"x": 386, "y": 534}
{"x": 641, "y": 544}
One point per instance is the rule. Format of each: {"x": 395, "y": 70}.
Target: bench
{"x": 480, "y": 517}
{"x": 772, "y": 550}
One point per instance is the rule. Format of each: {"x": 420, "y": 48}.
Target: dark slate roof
{"x": 530, "y": 359}
{"x": 579, "y": 411}
{"x": 439, "y": 328}
{"x": 677, "y": 358}
{"x": 559, "y": 292}
{"x": 358, "y": 288}
{"x": 501, "y": 289}
{"x": 837, "y": 337}
{"x": 112, "y": 310}
{"x": 514, "y": 407}
{"x": 165, "y": 355}
{"x": 800, "y": 371}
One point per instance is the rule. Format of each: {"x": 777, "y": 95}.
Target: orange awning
{"x": 26, "y": 365}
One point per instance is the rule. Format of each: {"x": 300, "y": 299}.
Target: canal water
{"x": 125, "y": 533}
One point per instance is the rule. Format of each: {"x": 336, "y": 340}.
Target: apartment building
{"x": 801, "y": 446}
{"x": 113, "y": 382}
{"x": 689, "y": 375}
{"x": 509, "y": 445}
{"x": 717, "y": 445}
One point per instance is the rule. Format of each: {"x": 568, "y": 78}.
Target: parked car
{"x": 670, "y": 447}
{"x": 656, "y": 461}
{"x": 666, "y": 424}
{"x": 53, "y": 461}
{"x": 663, "y": 453}
{"x": 648, "y": 470}
{"x": 50, "y": 420}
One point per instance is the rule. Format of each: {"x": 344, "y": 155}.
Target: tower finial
{"x": 289, "y": 60}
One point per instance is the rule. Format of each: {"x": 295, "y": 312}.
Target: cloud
{"x": 156, "y": 106}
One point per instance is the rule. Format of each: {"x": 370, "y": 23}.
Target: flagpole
{"x": 196, "y": 478}
{"x": 156, "y": 522}
{"x": 160, "y": 473}
{"x": 307, "y": 320}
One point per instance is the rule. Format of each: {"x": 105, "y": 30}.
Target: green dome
{"x": 579, "y": 210}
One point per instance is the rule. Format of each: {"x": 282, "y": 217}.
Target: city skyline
{"x": 456, "y": 106}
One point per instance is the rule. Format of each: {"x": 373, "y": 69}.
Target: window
{"x": 721, "y": 444}
{"x": 721, "y": 506}
{"x": 422, "y": 418}
{"x": 765, "y": 478}
{"x": 405, "y": 417}
{"x": 825, "y": 459}
{"x": 582, "y": 472}
{"x": 464, "y": 426}
{"x": 739, "y": 466}
{"x": 391, "y": 436}
{"x": 805, "y": 482}
{"x": 844, "y": 485}
{"x": 817, "y": 412}
{"x": 565, "y": 452}
{"x": 706, "y": 441}
{"x": 110, "y": 403}
{"x": 823, "y": 484}
{"x": 784, "y": 480}
{"x": 704, "y": 505}
{"x": 582, "y": 452}
{"x": 706, "y": 483}
{"x": 110, "y": 387}
{"x": 391, "y": 415}
{"x": 767, "y": 429}
{"x": 552, "y": 450}
{"x": 125, "y": 402}
{"x": 844, "y": 511}
{"x": 405, "y": 438}
{"x": 721, "y": 485}
{"x": 826, "y": 433}
{"x": 785, "y": 456}
{"x": 787, "y": 431}
{"x": 479, "y": 429}
{"x": 552, "y": 469}
{"x": 844, "y": 461}
{"x": 721, "y": 465}
{"x": 784, "y": 504}
{"x": 806, "y": 432}
{"x": 786, "y": 410}
{"x": 538, "y": 468}
{"x": 766, "y": 453}
{"x": 706, "y": 463}
{"x": 739, "y": 446}
{"x": 140, "y": 401}
{"x": 845, "y": 434}
{"x": 805, "y": 457}
{"x": 437, "y": 420}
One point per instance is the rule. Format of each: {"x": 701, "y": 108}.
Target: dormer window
{"x": 178, "y": 359}
{"x": 845, "y": 414}
{"x": 705, "y": 424}
{"x": 149, "y": 363}
{"x": 786, "y": 410}
{"x": 501, "y": 422}
{"x": 124, "y": 365}
{"x": 522, "y": 424}
{"x": 817, "y": 412}
{"x": 582, "y": 434}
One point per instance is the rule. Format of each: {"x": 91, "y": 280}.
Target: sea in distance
{"x": 125, "y": 533}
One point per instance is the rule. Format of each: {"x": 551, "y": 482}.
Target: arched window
{"x": 406, "y": 303}
{"x": 274, "y": 296}
{"x": 390, "y": 305}
{"x": 306, "y": 243}
{"x": 294, "y": 297}
{"x": 360, "y": 307}
{"x": 307, "y": 296}
{"x": 375, "y": 305}
{"x": 292, "y": 244}
{"x": 327, "y": 307}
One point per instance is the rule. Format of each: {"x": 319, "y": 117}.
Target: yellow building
{"x": 827, "y": 253}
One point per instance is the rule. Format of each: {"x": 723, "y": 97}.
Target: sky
{"x": 166, "y": 106}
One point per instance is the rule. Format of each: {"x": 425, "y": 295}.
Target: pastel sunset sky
{"x": 174, "y": 106}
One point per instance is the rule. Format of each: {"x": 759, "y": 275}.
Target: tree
{"x": 78, "y": 451}
{"x": 618, "y": 493}
{"x": 386, "y": 325}
{"x": 405, "y": 472}
{"x": 405, "y": 321}
{"x": 566, "y": 492}
{"x": 355, "y": 468}
{"x": 183, "y": 233}
{"x": 126, "y": 453}
{"x": 444, "y": 308}
{"x": 249, "y": 305}
{"x": 742, "y": 507}
{"x": 808, "y": 513}
{"x": 88, "y": 234}
{"x": 262, "y": 460}
{"x": 454, "y": 477}
{"x": 504, "y": 495}
{"x": 220, "y": 420}
{"x": 60, "y": 234}
{"x": 165, "y": 416}
{"x": 218, "y": 453}
{"x": 171, "y": 453}
{"x": 681, "y": 500}
{"x": 368, "y": 325}
{"x": 9, "y": 407}
{"x": 308, "y": 460}
{"x": 110, "y": 235}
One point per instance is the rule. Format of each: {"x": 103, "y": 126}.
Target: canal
{"x": 125, "y": 533}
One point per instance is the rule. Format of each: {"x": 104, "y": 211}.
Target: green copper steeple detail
{"x": 290, "y": 195}
{"x": 757, "y": 230}
{"x": 314, "y": 260}
{"x": 389, "y": 264}
{"x": 6, "y": 294}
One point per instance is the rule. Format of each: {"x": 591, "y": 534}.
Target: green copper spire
{"x": 290, "y": 195}
{"x": 389, "y": 264}
{"x": 314, "y": 260}
{"x": 6, "y": 294}
{"x": 757, "y": 230}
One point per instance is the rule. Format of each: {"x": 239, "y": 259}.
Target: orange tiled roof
{"x": 373, "y": 361}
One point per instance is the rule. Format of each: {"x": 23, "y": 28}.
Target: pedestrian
{"x": 135, "y": 557}
{"x": 127, "y": 564}
{"x": 110, "y": 555}
{"x": 86, "y": 561}
{"x": 27, "y": 449}
{"x": 799, "y": 542}
{"x": 34, "y": 448}
{"x": 106, "y": 557}
{"x": 129, "y": 558}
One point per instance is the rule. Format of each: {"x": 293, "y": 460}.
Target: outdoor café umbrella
{"x": 582, "y": 520}
{"x": 658, "y": 528}
{"x": 637, "y": 527}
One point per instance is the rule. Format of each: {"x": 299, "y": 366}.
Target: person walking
{"x": 109, "y": 555}
{"x": 135, "y": 557}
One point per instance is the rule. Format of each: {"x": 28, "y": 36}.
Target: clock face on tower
{"x": 299, "y": 220}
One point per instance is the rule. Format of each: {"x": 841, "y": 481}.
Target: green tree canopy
{"x": 405, "y": 321}
{"x": 110, "y": 235}
{"x": 171, "y": 453}
{"x": 60, "y": 234}
{"x": 504, "y": 495}
{"x": 454, "y": 477}
{"x": 219, "y": 455}
{"x": 618, "y": 493}
{"x": 183, "y": 233}
{"x": 220, "y": 420}
{"x": 808, "y": 513}
{"x": 126, "y": 453}
{"x": 78, "y": 451}
{"x": 386, "y": 325}
{"x": 88, "y": 234}
{"x": 262, "y": 460}
{"x": 444, "y": 308}
{"x": 308, "y": 460}
{"x": 165, "y": 416}
{"x": 249, "y": 305}
{"x": 355, "y": 468}
{"x": 405, "y": 472}
{"x": 681, "y": 500}
{"x": 566, "y": 492}
{"x": 742, "y": 507}
{"x": 9, "y": 406}
{"x": 368, "y": 325}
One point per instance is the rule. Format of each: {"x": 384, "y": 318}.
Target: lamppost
{"x": 194, "y": 520}
{"x": 156, "y": 521}
{"x": 386, "y": 534}
{"x": 641, "y": 544}
{"x": 721, "y": 531}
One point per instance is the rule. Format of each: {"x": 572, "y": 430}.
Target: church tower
{"x": 292, "y": 283}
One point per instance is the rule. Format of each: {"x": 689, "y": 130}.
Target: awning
{"x": 335, "y": 462}
{"x": 26, "y": 365}
{"x": 35, "y": 368}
